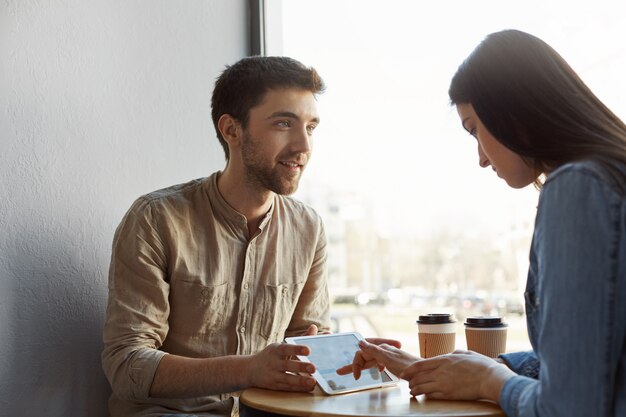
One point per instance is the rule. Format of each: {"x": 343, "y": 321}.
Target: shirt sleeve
{"x": 313, "y": 306}
{"x": 137, "y": 311}
{"x": 575, "y": 244}
{"x": 522, "y": 363}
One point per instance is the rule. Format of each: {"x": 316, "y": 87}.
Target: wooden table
{"x": 387, "y": 402}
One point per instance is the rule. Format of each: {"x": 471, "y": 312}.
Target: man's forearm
{"x": 181, "y": 377}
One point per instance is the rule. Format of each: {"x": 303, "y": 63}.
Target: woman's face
{"x": 507, "y": 164}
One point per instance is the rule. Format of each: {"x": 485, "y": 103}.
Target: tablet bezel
{"x": 301, "y": 340}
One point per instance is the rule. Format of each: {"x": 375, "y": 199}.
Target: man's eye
{"x": 311, "y": 128}
{"x": 283, "y": 123}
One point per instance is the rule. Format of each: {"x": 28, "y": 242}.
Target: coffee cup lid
{"x": 484, "y": 321}
{"x": 436, "y": 319}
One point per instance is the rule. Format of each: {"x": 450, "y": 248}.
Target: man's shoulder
{"x": 174, "y": 196}
{"x": 177, "y": 191}
{"x": 291, "y": 207}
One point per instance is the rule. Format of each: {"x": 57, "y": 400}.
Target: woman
{"x": 534, "y": 118}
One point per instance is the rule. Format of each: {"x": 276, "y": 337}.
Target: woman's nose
{"x": 483, "y": 161}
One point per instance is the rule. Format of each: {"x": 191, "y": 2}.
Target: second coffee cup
{"x": 437, "y": 334}
{"x": 486, "y": 335}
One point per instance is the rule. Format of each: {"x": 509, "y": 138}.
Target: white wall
{"x": 101, "y": 101}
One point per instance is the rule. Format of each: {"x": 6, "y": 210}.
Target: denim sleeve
{"x": 522, "y": 363}
{"x": 575, "y": 243}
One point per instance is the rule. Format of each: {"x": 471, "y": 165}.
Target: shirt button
{"x": 284, "y": 290}
{"x": 242, "y": 330}
{"x": 245, "y": 286}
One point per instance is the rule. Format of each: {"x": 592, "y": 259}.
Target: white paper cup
{"x": 437, "y": 334}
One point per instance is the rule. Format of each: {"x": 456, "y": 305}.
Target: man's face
{"x": 277, "y": 141}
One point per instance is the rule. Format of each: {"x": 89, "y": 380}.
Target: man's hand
{"x": 311, "y": 331}
{"x": 314, "y": 331}
{"x": 383, "y": 353}
{"x": 273, "y": 368}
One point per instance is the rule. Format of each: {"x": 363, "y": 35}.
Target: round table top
{"x": 387, "y": 402}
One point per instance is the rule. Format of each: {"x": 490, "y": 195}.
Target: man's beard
{"x": 259, "y": 173}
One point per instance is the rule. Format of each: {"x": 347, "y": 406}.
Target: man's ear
{"x": 231, "y": 130}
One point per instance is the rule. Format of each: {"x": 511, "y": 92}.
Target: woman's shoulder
{"x": 585, "y": 167}
{"x": 591, "y": 172}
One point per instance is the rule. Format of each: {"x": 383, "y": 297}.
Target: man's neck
{"x": 246, "y": 199}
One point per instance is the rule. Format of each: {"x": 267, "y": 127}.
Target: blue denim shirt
{"x": 575, "y": 302}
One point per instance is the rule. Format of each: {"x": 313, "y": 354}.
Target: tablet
{"x": 332, "y": 351}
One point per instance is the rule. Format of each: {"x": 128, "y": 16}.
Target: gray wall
{"x": 101, "y": 101}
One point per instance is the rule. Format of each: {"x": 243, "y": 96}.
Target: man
{"x": 206, "y": 277}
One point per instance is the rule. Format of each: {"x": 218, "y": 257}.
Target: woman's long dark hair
{"x": 534, "y": 103}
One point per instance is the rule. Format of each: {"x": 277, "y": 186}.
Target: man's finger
{"x": 311, "y": 331}
{"x": 285, "y": 349}
{"x": 296, "y": 366}
{"x": 291, "y": 382}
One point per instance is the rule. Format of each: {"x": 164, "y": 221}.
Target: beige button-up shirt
{"x": 185, "y": 279}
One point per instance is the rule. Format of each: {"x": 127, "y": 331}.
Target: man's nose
{"x": 302, "y": 141}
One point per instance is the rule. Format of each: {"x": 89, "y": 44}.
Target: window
{"x": 414, "y": 225}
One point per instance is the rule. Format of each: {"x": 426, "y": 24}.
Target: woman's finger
{"x": 381, "y": 341}
{"x": 425, "y": 365}
{"x": 421, "y": 378}
{"x": 344, "y": 370}
{"x": 427, "y": 388}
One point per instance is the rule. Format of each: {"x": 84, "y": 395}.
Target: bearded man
{"x": 207, "y": 277}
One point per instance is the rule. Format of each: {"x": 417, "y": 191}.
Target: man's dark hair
{"x": 242, "y": 86}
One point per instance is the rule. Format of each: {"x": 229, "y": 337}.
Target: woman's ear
{"x": 231, "y": 130}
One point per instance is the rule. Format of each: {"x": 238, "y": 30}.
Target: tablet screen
{"x": 330, "y": 352}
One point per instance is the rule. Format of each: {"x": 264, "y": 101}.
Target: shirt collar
{"x": 225, "y": 211}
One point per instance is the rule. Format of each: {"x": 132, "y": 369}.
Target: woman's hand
{"x": 383, "y": 353}
{"x": 461, "y": 375}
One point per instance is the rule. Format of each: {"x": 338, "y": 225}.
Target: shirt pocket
{"x": 279, "y": 303}
{"x": 197, "y": 309}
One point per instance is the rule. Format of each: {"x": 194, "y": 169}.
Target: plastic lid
{"x": 484, "y": 321}
{"x": 436, "y": 319}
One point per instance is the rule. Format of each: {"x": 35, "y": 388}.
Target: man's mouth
{"x": 291, "y": 165}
